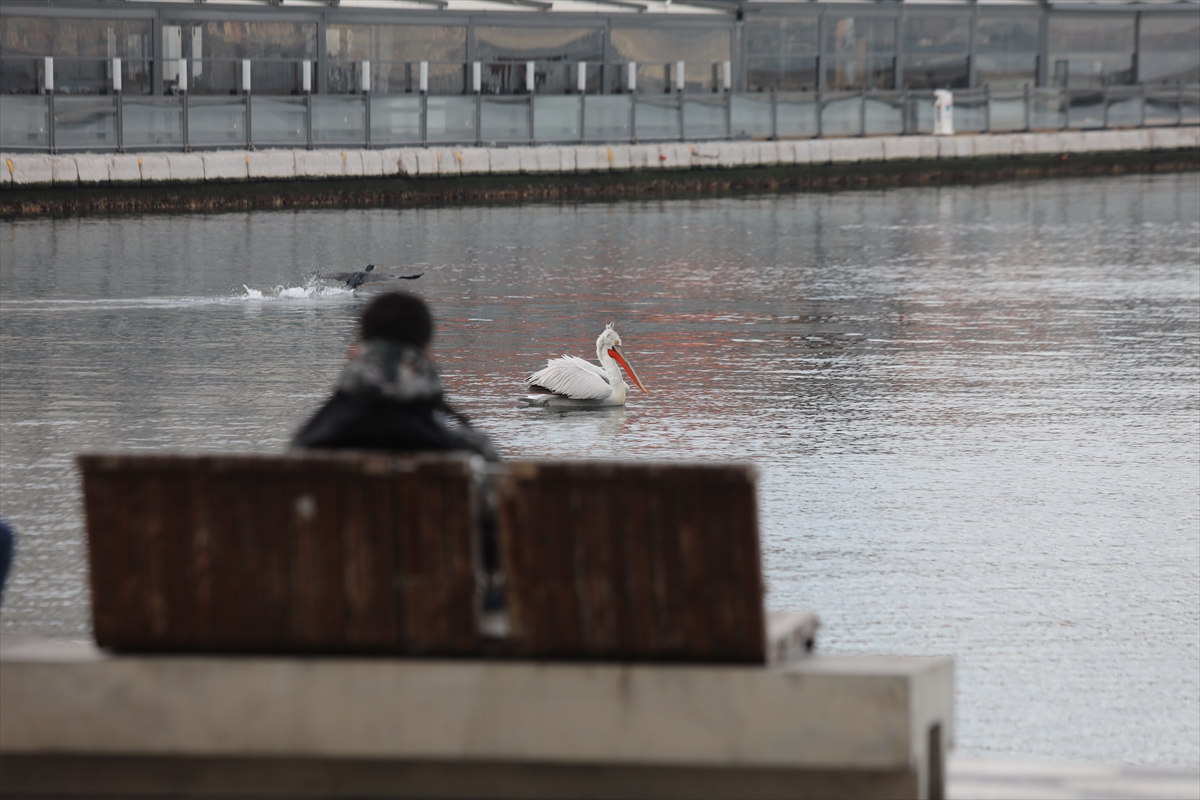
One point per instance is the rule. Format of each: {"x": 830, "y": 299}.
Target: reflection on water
{"x": 974, "y": 410}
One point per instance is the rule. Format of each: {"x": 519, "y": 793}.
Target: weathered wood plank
{"x": 296, "y": 553}
{"x": 632, "y": 561}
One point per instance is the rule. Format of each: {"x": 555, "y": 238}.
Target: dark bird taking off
{"x": 355, "y": 279}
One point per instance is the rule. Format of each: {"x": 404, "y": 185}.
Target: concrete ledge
{"x": 91, "y": 169}
{"x": 226, "y": 166}
{"x": 156, "y": 167}
{"x": 278, "y": 164}
{"x": 859, "y": 719}
{"x": 26, "y": 169}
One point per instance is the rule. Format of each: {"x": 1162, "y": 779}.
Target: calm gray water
{"x": 976, "y": 411}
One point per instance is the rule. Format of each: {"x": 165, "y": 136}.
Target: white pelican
{"x": 574, "y": 383}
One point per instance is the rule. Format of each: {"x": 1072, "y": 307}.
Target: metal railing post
{"x": 820, "y": 111}
{"x": 728, "y": 114}
{"x": 367, "y": 120}
{"x": 308, "y": 143}
{"x": 904, "y": 112}
{"x": 117, "y": 86}
{"x": 1142, "y": 118}
{"x": 424, "y": 119}
{"x": 774, "y": 114}
{"x": 582, "y": 118}
{"x": 1066, "y": 95}
{"x": 862, "y": 112}
{"x": 987, "y": 109}
{"x": 1028, "y": 108}
{"x": 682, "y": 121}
{"x": 187, "y": 147}
{"x": 633, "y": 118}
{"x": 120, "y": 99}
{"x": 50, "y": 112}
{"x": 247, "y": 103}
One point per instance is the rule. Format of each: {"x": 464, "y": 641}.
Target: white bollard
{"x": 943, "y": 113}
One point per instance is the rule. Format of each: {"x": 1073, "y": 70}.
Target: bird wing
{"x": 381, "y": 276}
{"x": 571, "y": 376}
{"x": 336, "y": 276}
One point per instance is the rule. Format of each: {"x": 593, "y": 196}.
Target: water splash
{"x": 313, "y": 288}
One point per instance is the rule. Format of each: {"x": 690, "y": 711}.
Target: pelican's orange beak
{"x": 619, "y": 356}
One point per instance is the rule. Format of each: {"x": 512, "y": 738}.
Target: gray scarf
{"x": 396, "y": 371}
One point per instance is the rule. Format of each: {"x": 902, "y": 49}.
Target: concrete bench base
{"x": 136, "y": 777}
{"x": 77, "y": 721}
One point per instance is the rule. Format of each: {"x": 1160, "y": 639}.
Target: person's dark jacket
{"x": 389, "y": 397}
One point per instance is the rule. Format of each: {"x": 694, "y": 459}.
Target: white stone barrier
{"x": 27, "y": 169}
{"x": 813, "y": 727}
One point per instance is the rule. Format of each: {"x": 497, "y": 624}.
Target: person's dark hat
{"x": 397, "y": 317}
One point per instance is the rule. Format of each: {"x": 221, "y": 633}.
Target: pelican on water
{"x": 355, "y": 279}
{"x": 572, "y": 382}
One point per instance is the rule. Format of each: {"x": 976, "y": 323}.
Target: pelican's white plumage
{"x": 571, "y": 381}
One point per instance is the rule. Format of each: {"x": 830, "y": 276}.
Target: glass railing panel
{"x": 451, "y": 119}
{"x": 919, "y": 108}
{"x": 85, "y": 123}
{"x": 24, "y": 122}
{"x": 339, "y": 119}
{"x": 970, "y": 111}
{"x": 1189, "y": 106}
{"x": 208, "y": 77}
{"x": 1047, "y": 110}
{"x": 841, "y": 115}
{"x": 556, "y": 119}
{"x": 606, "y": 118}
{"x": 276, "y": 77}
{"x": 20, "y": 76}
{"x": 216, "y": 122}
{"x": 657, "y": 117}
{"x": 1087, "y": 108}
{"x": 1162, "y": 107}
{"x": 152, "y": 122}
{"x": 504, "y": 119}
{"x": 704, "y": 116}
{"x": 279, "y": 121}
{"x": 396, "y": 119}
{"x": 797, "y": 115}
{"x": 1007, "y": 111}
{"x": 884, "y": 113}
{"x": 750, "y": 116}
{"x": 1124, "y": 107}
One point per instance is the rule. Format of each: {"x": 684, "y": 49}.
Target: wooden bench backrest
{"x": 631, "y": 561}
{"x": 294, "y": 553}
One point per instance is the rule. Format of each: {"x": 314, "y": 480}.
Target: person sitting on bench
{"x": 390, "y": 397}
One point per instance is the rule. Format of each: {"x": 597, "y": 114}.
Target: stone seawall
{"x": 89, "y": 182}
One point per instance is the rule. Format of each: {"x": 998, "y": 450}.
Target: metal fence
{"x": 56, "y": 122}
